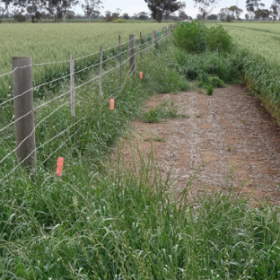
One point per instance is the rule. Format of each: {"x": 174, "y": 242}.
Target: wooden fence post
{"x": 132, "y": 54}
{"x": 24, "y": 110}
{"x": 120, "y": 50}
{"x": 165, "y": 30}
{"x": 72, "y": 85}
{"x": 141, "y": 45}
{"x": 100, "y": 71}
{"x": 155, "y": 37}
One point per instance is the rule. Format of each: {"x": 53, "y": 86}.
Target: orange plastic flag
{"x": 59, "y": 167}
{"x": 141, "y": 75}
{"x": 112, "y": 104}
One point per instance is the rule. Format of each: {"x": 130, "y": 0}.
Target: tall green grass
{"x": 102, "y": 220}
{"x": 120, "y": 225}
{"x": 256, "y": 44}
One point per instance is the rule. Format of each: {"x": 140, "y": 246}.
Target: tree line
{"x": 55, "y": 9}
{"x": 159, "y": 10}
{"x": 61, "y": 9}
{"x": 256, "y": 10}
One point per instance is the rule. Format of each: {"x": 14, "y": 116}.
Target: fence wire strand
{"x": 22, "y": 161}
{"x": 32, "y": 132}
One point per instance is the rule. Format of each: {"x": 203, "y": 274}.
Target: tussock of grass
{"x": 204, "y": 66}
{"x": 161, "y": 113}
{"x": 262, "y": 80}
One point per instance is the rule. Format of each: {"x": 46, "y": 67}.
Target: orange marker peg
{"x": 141, "y": 75}
{"x": 59, "y": 167}
{"x": 112, "y": 104}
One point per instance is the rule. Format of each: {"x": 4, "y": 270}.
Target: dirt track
{"x": 229, "y": 134}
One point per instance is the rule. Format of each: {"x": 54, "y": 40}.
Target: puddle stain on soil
{"x": 234, "y": 142}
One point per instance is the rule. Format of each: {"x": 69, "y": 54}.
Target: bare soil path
{"x": 229, "y": 136}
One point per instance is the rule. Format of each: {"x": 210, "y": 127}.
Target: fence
{"x": 23, "y": 89}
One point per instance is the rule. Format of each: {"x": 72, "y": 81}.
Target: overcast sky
{"x": 135, "y": 6}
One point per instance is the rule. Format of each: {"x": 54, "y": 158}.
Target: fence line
{"x": 128, "y": 75}
{"x": 60, "y": 78}
{"x": 63, "y": 94}
{"x": 44, "y": 84}
{"x": 63, "y": 61}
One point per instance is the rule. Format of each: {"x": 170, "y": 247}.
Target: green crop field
{"x": 259, "y": 39}
{"x": 53, "y": 42}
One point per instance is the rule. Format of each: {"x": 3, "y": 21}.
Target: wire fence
{"x": 24, "y": 152}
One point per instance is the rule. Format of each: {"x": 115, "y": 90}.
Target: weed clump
{"x": 200, "y": 55}
{"x": 191, "y": 37}
{"x": 209, "y": 90}
{"x": 210, "y": 68}
{"x": 216, "y": 82}
{"x": 219, "y": 40}
{"x": 195, "y": 37}
{"x": 162, "y": 112}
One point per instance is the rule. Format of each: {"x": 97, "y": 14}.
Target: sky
{"x": 135, "y": 6}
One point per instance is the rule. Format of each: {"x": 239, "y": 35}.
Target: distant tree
{"x": 212, "y": 17}
{"x": 206, "y": 2}
{"x": 276, "y": 4}
{"x": 143, "y": 16}
{"x": 125, "y": 16}
{"x": 70, "y": 15}
{"x": 115, "y": 15}
{"x": 163, "y": 8}
{"x": 247, "y": 17}
{"x": 33, "y": 8}
{"x": 4, "y": 8}
{"x": 91, "y": 8}
{"x": 183, "y": 15}
{"x": 135, "y": 16}
{"x": 262, "y": 14}
{"x": 19, "y": 18}
{"x": 204, "y": 12}
{"x": 108, "y": 16}
{"x": 2, "y": 13}
{"x": 274, "y": 12}
{"x": 59, "y": 8}
{"x": 205, "y": 7}
{"x": 226, "y": 14}
{"x": 252, "y": 6}
{"x": 237, "y": 11}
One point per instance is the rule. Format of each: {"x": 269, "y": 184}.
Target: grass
{"x": 209, "y": 90}
{"x": 103, "y": 221}
{"x": 198, "y": 116}
{"x": 162, "y": 112}
{"x": 90, "y": 226}
{"x": 258, "y": 45}
{"x": 258, "y": 39}
{"x": 159, "y": 139}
